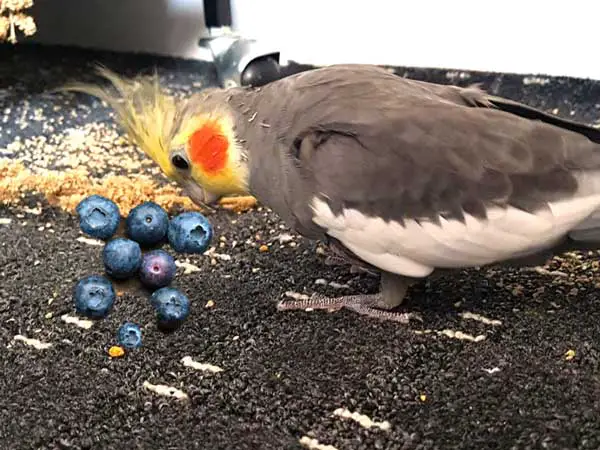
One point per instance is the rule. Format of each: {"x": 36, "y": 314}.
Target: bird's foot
{"x": 238, "y": 204}
{"x": 367, "y": 305}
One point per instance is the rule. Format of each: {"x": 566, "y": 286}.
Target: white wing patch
{"x": 415, "y": 249}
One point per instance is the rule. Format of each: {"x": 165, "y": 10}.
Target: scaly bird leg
{"x": 392, "y": 293}
{"x": 238, "y": 204}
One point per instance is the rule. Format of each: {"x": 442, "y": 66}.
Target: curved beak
{"x": 199, "y": 196}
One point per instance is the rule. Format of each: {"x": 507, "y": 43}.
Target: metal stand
{"x": 239, "y": 61}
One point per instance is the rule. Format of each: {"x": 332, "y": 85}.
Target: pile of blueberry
{"x": 147, "y": 227}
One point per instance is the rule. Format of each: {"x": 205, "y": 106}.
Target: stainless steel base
{"x": 241, "y": 61}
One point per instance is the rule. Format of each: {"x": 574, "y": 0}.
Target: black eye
{"x": 180, "y": 162}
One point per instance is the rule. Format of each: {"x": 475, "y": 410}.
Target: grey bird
{"x": 405, "y": 178}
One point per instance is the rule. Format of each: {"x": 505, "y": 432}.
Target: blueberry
{"x": 122, "y": 258}
{"x": 94, "y": 296}
{"x": 172, "y": 307}
{"x": 147, "y": 224}
{"x": 158, "y": 269}
{"x": 190, "y": 232}
{"x": 129, "y": 335}
{"x": 99, "y": 217}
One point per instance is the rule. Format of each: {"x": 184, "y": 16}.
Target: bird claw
{"x": 362, "y": 304}
{"x": 238, "y": 204}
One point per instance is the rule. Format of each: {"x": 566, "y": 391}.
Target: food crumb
{"x": 570, "y": 354}
{"x": 263, "y": 248}
{"x": 116, "y": 352}
{"x": 314, "y": 444}
{"x": 66, "y": 188}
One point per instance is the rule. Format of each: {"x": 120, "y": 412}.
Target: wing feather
{"x": 411, "y": 176}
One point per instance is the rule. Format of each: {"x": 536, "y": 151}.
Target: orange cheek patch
{"x": 208, "y": 147}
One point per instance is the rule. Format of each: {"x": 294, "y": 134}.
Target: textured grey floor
{"x": 284, "y": 374}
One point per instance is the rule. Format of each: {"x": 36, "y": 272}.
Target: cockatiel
{"x": 403, "y": 177}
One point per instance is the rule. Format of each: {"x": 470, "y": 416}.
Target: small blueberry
{"x": 190, "y": 232}
{"x": 147, "y": 224}
{"x": 94, "y": 296}
{"x": 129, "y": 335}
{"x": 157, "y": 270}
{"x": 171, "y": 305}
{"x": 99, "y": 217}
{"x": 122, "y": 258}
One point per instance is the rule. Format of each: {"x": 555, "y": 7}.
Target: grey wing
{"x": 446, "y": 186}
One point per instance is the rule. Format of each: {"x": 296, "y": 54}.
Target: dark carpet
{"x": 527, "y": 377}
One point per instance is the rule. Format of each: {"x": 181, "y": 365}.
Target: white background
{"x": 526, "y": 36}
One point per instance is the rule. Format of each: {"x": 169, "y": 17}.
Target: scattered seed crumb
{"x": 66, "y": 188}
{"x": 116, "y": 351}
{"x": 296, "y": 295}
{"x": 480, "y": 318}
{"x": 167, "y": 391}
{"x": 189, "y": 362}
{"x": 81, "y": 323}
{"x": 313, "y": 444}
{"x": 462, "y": 336}
{"x": 452, "y": 334}
{"x": 263, "y": 248}
{"x": 34, "y": 211}
{"x": 423, "y": 397}
{"x": 89, "y": 241}
{"x": 214, "y": 255}
{"x": 535, "y": 80}
{"x": 48, "y": 315}
{"x": 35, "y": 343}
{"x": 187, "y": 267}
{"x": 361, "y": 419}
{"x": 569, "y": 355}
{"x": 543, "y": 271}
{"x": 210, "y": 304}
{"x": 284, "y": 238}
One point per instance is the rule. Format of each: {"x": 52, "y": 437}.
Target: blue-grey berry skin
{"x": 99, "y": 216}
{"x": 190, "y": 232}
{"x": 172, "y": 307}
{"x": 147, "y": 224}
{"x": 129, "y": 335}
{"x": 122, "y": 258}
{"x": 157, "y": 270}
{"x": 94, "y": 296}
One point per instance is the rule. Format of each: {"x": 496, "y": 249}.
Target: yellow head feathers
{"x": 146, "y": 112}
{"x": 192, "y": 140}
